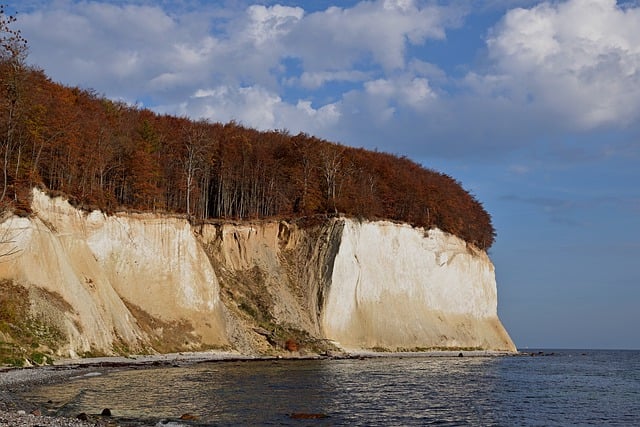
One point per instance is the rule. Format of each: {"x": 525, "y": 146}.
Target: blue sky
{"x": 533, "y": 106}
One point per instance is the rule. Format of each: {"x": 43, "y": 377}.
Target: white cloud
{"x": 270, "y": 23}
{"x": 115, "y": 49}
{"x": 172, "y": 57}
{"x": 339, "y": 38}
{"x": 315, "y": 80}
{"x": 319, "y": 118}
{"x": 579, "y": 59}
{"x": 359, "y": 74}
{"x": 256, "y": 107}
{"x": 126, "y": 63}
{"x": 413, "y": 92}
{"x": 252, "y": 105}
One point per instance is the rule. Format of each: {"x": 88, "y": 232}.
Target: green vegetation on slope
{"x": 23, "y": 336}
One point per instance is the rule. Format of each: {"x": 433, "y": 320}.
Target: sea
{"x": 536, "y": 388}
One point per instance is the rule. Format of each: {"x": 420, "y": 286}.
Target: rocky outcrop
{"x": 127, "y": 283}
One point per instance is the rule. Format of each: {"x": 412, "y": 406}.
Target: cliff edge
{"x": 78, "y": 284}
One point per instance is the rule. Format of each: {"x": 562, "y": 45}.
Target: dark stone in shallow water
{"x": 188, "y": 417}
{"x": 307, "y": 416}
{"x": 106, "y": 412}
{"x": 542, "y": 353}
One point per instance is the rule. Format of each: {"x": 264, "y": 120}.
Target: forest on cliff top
{"x": 108, "y": 155}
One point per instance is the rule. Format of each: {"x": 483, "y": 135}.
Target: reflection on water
{"x": 563, "y": 389}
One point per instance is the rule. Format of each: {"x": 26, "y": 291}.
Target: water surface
{"x": 567, "y": 387}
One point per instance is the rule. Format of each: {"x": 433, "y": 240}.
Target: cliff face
{"x": 397, "y": 287}
{"x": 130, "y": 282}
{"x": 144, "y": 282}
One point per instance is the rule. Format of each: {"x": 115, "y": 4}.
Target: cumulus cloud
{"x": 256, "y": 107}
{"x": 119, "y": 50}
{"x": 315, "y": 80}
{"x": 253, "y": 105}
{"x": 267, "y": 24}
{"x": 378, "y": 31}
{"x": 579, "y": 59}
{"x": 360, "y": 74}
{"x": 411, "y": 91}
{"x": 171, "y": 58}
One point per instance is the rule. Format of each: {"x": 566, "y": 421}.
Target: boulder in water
{"x": 307, "y": 416}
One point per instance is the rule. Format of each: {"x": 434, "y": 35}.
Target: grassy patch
{"x": 26, "y": 337}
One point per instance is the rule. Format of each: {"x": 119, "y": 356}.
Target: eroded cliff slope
{"x": 130, "y": 283}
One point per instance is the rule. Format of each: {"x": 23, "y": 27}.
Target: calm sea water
{"x": 566, "y": 388}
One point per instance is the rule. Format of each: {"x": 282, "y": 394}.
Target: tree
{"x": 331, "y": 165}
{"x": 144, "y": 172}
{"x": 195, "y": 138}
{"x": 107, "y": 155}
{"x": 13, "y": 46}
{"x": 13, "y": 52}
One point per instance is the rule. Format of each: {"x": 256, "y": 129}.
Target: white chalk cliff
{"x": 397, "y": 287}
{"x": 127, "y": 283}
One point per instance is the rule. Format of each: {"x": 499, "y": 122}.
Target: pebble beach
{"x": 16, "y": 412}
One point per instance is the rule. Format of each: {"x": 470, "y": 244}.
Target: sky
{"x": 533, "y": 106}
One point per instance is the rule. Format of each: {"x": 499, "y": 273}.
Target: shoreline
{"x": 17, "y": 412}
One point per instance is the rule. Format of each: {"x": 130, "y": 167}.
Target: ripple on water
{"x": 567, "y": 388}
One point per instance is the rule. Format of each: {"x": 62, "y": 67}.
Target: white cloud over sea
{"x": 579, "y": 59}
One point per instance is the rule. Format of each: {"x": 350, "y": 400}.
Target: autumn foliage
{"x": 108, "y": 155}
